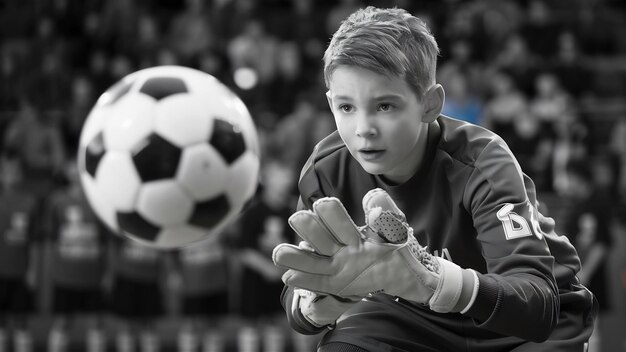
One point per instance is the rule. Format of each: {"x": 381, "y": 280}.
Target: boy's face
{"x": 380, "y": 120}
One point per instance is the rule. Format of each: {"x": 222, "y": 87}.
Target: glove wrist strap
{"x": 455, "y": 290}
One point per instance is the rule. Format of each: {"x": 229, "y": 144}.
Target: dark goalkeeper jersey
{"x": 470, "y": 203}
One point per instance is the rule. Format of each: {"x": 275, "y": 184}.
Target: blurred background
{"x": 548, "y": 76}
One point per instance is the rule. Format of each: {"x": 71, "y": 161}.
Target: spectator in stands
{"x": 50, "y": 82}
{"x": 301, "y": 24}
{"x": 551, "y": 104}
{"x": 255, "y": 48}
{"x": 117, "y": 29}
{"x": 136, "y": 296}
{"x": 253, "y": 51}
{"x": 496, "y": 21}
{"x": 504, "y": 105}
{"x": 461, "y": 102}
{"x": 558, "y": 118}
{"x": 201, "y": 274}
{"x": 229, "y": 17}
{"x": 189, "y": 33}
{"x": 81, "y": 103}
{"x": 297, "y": 133}
{"x": 120, "y": 66}
{"x": 10, "y": 81}
{"x": 48, "y": 66}
{"x": 589, "y": 220}
{"x": 37, "y": 140}
{"x": 289, "y": 80}
{"x": 263, "y": 226}
{"x": 518, "y": 61}
{"x": 215, "y": 63}
{"x": 599, "y": 25}
{"x": 540, "y": 30}
{"x": 19, "y": 258}
{"x": 570, "y": 146}
{"x": 165, "y": 56}
{"x": 98, "y": 70}
{"x": 76, "y": 264}
{"x": 461, "y": 61}
{"x": 149, "y": 41}
{"x": 569, "y": 65}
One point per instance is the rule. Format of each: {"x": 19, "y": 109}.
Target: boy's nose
{"x": 365, "y": 128}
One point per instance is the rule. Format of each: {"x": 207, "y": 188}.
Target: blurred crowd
{"x": 548, "y": 76}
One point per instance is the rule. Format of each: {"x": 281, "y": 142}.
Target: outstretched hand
{"x": 383, "y": 256}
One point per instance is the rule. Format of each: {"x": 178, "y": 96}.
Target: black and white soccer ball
{"x": 168, "y": 156}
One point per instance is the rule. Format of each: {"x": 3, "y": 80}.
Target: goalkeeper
{"x": 420, "y": 232}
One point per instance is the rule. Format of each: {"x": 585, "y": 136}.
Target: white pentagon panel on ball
{"x": 118, "y": 181}
{"x": 202, "y": 172}
{"x": 183, "y": 119}
{"x": 96, "y": 196}
{"x": 164, "y": 203}
{"x": 175, "y": 236}
{"x": 131, "y": 120}
{"x": 243, "y": 179}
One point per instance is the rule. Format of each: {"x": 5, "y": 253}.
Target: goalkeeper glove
{"x": 382, "y": 256}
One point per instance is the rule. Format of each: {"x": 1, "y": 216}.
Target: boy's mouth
{"x": 371, "y": 154}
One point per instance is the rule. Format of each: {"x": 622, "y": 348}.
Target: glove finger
{"x": 383, "y": 217}
{"x": 336, "y": 218}
{"x": 378, "y": 197}
{"x": 310, "y": 228}
{"x": 292, "y": 257}
{"x": 319, "y": 284}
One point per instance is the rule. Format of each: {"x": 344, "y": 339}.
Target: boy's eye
{"x": 385, "y": 107}
{"x": 345, "y": 108}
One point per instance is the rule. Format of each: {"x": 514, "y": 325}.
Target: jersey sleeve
{"x": 518, "y": 295}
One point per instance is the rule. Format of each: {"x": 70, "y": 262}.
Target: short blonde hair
{"x": 387, "y": 41}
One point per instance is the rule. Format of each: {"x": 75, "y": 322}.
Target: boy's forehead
{"x": 349, "y": 80}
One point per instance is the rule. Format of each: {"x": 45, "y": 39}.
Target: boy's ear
{"x": 433, "y": 103}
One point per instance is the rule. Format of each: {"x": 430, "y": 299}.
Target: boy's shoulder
{"x": 468, "y": 143}
{"x": 475, "y": 148}
{"x": 328, "y": 146}
{"x": 326, "y": 155}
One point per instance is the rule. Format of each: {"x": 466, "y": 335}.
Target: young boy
{"x": 472, "y": 266}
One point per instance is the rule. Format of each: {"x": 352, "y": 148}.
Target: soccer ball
{"x": 168, "y": 156}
